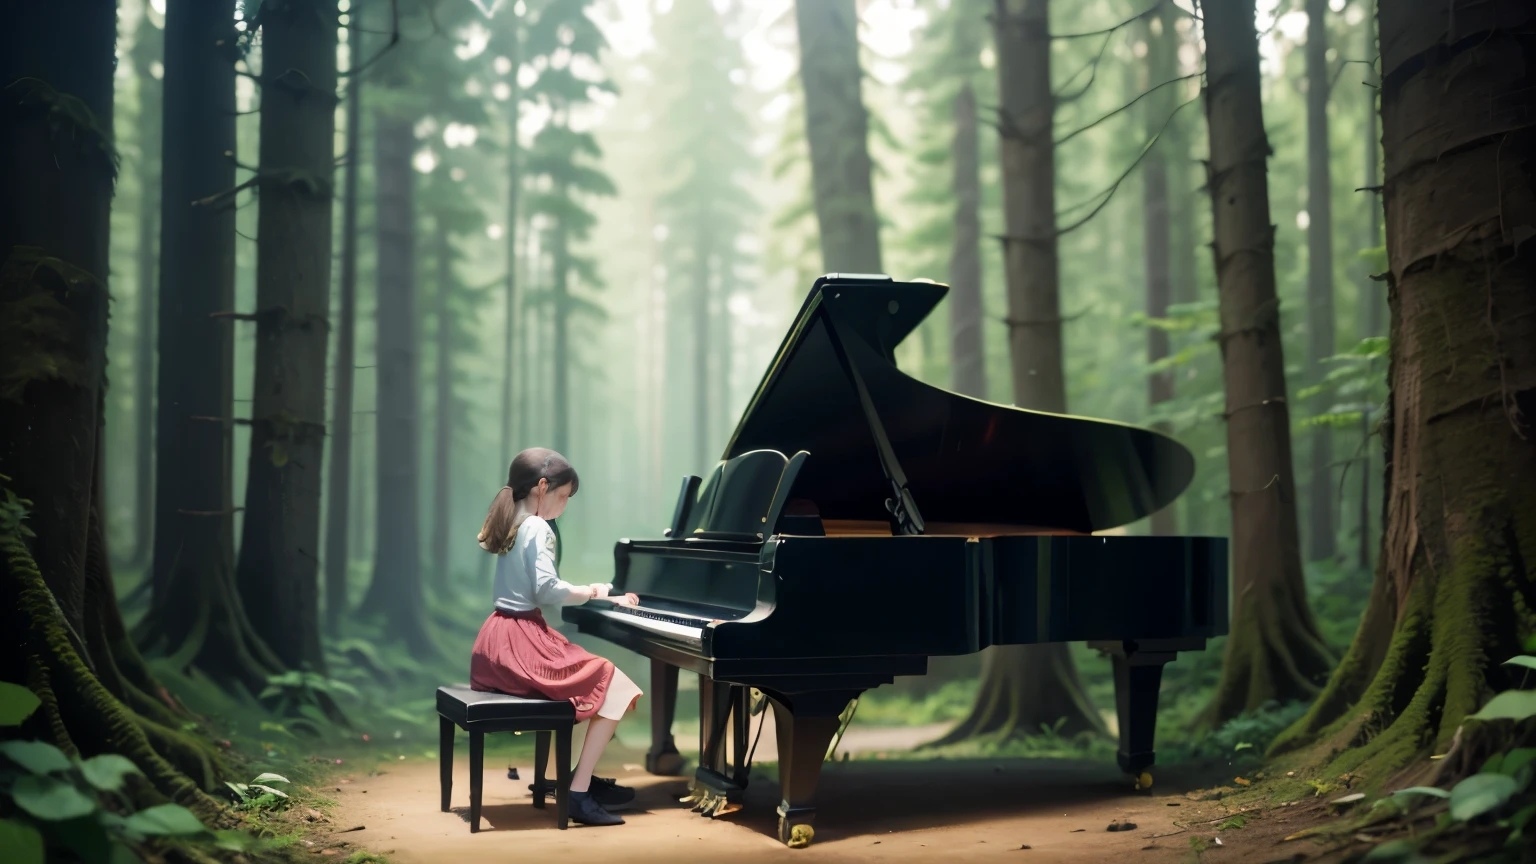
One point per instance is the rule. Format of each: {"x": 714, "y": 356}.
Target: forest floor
{"x": 870, "y": 809}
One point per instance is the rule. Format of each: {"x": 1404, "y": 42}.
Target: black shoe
{"x": 603, "y": 790}
{"x": 586, "y": 811}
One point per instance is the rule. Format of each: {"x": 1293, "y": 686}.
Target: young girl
{"x": 519, "y": 654}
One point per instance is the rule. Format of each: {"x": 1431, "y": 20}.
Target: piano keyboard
{"x": 676, "y": 627}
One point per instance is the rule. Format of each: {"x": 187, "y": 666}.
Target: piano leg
{"x": 1138, "y": 676}
{"x": 663, "y": 757}
{"x": 805, "y": 723}
{"x": 714, "y": 791}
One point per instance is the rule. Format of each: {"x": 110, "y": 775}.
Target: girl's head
{"x": 540, "y": 478}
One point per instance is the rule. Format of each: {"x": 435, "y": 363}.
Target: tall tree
{"x": 148, "y": 68}
{"x": 1157, "y": 240}
{"x": 968, "y": 357}
{"x": 1370, "y": 301}
{"x": 1024, "y": 686}
{"x": 1321, "y": 542}
{"x": 195, "y": 604}
{"x": 442, "y": 436}
{"x": 338, "y": 481}
{"x": 65, "y": 636}
{"x": 280, "y": 544}
{"x": 1275, "y": 651}
{"x": 1452, "y": 594}
{"x": 511, "y": 37}
{"x": 837, "y": 130}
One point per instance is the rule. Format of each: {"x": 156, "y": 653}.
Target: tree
{"x": 511, "y": 37}
{"x": 195, "y": 608}
{"x": 58, "y": 166}
{"x": 1370, "y": 302}
{"x": 1025, "y": 686}
{"x": 1274, "y": 650}
{"x": 1452, "y": 596}
{"x": 837, "y": 130}
{"x": 148, "y": 56}
{"x": 1161, "y": 62}
{"x": 1321, "y": 543}
{"x": 279, "y": 550}
{"x": 338, "y": 478}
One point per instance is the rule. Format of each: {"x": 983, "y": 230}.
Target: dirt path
{"x": 886, "y": 811}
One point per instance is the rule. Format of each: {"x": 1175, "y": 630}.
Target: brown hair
{"x": 527, "y": 469}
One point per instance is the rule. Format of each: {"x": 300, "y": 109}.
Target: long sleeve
{"x": 549, "y": 589}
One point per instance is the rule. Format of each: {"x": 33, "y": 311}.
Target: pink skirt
{"x": 519, "y": 654}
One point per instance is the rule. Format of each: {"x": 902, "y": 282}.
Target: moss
{"x": 70, "y": 121}
{"x": 39, "y": 338}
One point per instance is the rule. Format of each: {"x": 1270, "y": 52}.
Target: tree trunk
{"x": 196, "y": 610}
{"x": 280, "y": 544}
{"x": 560, "y": 309}
{"x": 837, "y": 131}
{"x": 148, "y": 49}
{"x": 1321, "y": 542}
{"x": 701, "y": 327}
{"x": 514, "y": 186}
{"x": 1452, "y": 597}
{"x": 1026, "y": 686}
{"x": 395, "y": 592}
{"x": 967, "y": 356}
{"x": 339, "y": 483}
{"x": 1156, "y": 243}
{"x": 1370, "y": 301}
{"x": 57, "y": 168}
{"x": 1274, "y": 651}
{"x": 442, "y": 439}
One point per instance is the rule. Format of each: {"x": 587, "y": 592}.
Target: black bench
{"x": 479, "y": 712}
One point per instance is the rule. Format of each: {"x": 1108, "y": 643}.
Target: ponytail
{"x": 500, "y": 527}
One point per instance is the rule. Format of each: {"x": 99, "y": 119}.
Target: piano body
{"x": 908, "y": 522}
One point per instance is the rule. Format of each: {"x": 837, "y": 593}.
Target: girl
{"x": 519, "y": 654}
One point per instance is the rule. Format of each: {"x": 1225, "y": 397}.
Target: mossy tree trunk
{"x": 148, "y": 51}
{"x": 1025, "y": 687}
{"x": 195, "y": 610}
{"x": 1157, "y": 243}
{"x": 1321, "y": 491}
{"x": 837, "y": 132}
{"x": 511, "y": 44}
{"x": 278, "y": 571}
{"x": 442, "y": 436}
{"x": 1274, "y": 650}
{"x": 1370, "y": 290}
{"x": 395, "y": 592}
{"x": 57, "y": 603}
{"x": 1453, "y": 596}
{"x": 560, "y": 325}
{"x": 968, "y": 363}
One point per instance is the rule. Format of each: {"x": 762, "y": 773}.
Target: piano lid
{"x": 964, "y": 460}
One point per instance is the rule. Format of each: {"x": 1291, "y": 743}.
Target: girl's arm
{"x": 549, "y": 588}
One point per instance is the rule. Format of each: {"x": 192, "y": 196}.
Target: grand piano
{"x": 861, "y": 521}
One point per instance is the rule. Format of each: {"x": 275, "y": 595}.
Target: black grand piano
{"x": 861, "y": 521}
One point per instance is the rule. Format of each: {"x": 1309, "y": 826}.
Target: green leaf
{"x": 1493, "y": 764}
{"x": 270, "y": 791}
{"x": 234, "y": 841}
{"x": 106, "y": 772}
{"x": 270, "y": 778}
{"x": 16, "y": 703}
{"x": 51, "y": 799}
{"x": 1392, "y": 850}
{"x": 166, "y": 820}
{"x": 1479, "y": 794}
{"x": 1516, "y": 759}
{"x": 1243, "y": 745}
{"x": 22, "y": 843}
{"x": 37, "y": 757}
{"x": 1423, "y": 790}
{"x": 1509, "y": 705}
{"x": 1525, "y": 660}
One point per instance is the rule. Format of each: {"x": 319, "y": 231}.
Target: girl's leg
{"x": 599, "y": 731}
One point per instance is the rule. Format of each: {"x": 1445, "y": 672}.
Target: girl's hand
{"x": 600, "y": 590}
{"x": 626, "y": 600}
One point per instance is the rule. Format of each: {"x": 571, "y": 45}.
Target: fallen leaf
{"x": 1121, "y": 826}
{"x": 1024, "y": 846}
{"x": 1290, "y": 773}
{"x": 1241, "y": 782}
{"x": 1174, "y": 804}
{"x": 353, "y": 828}
{"x": 1349, "y": 799}
{"x": 1076, "y": 830}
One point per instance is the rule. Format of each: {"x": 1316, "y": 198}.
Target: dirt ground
{"x": 868, "y": 810}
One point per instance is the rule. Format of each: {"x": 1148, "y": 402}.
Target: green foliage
{"x": 1248, "y": 733}
{"x": 259, "y": 794}
{"x": 16, "y": 702}
{"x": 301, "y": 693}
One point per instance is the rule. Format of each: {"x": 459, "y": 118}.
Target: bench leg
{"x": 476, "y": 776}
{"x": 445, "y": 758}
{"x": 562, "y": 776}
{"x": 540, "y": 767}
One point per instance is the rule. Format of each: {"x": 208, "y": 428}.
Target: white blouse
{"x": 525, "y": 573}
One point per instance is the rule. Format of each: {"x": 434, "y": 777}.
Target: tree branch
{"x": 1126, "y": 107}
{"x": 394, "y": 39}
{"x": 1093, "y": 73}
{"x": 1110, "y": 30}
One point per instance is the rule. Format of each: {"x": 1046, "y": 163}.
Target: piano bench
{"x": 478, "y": 712}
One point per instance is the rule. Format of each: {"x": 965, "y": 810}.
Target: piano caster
{"x": 795, "y": 835}
{"x": 1143, "y": 781}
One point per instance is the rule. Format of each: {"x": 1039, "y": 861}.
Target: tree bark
{"x": 968, "y": 358}
{"x": 148, "y": 49}
{"x": 837, "y": 131}
{"x": 1274, "y": 651}
{"x": 57, "y": 169}
{"x": 280, "y": 543}
{"x": 560, "y": 310}
{"x": 395, "y": 592}
{"x": 514, "y": 186}
{"x": 1321, "y": 492}
{"x": 1370, "y": 301}
{"x": 338, "y": 555}
{"x": 1026, "y": 686}
{"x": 1157, "y": 242}
{"x": 1453, "y": 597}
{"x": 701, "y": 327}
{"x": 442, "y": 439}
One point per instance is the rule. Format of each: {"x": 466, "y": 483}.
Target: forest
{"x": 286, "y": 284}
